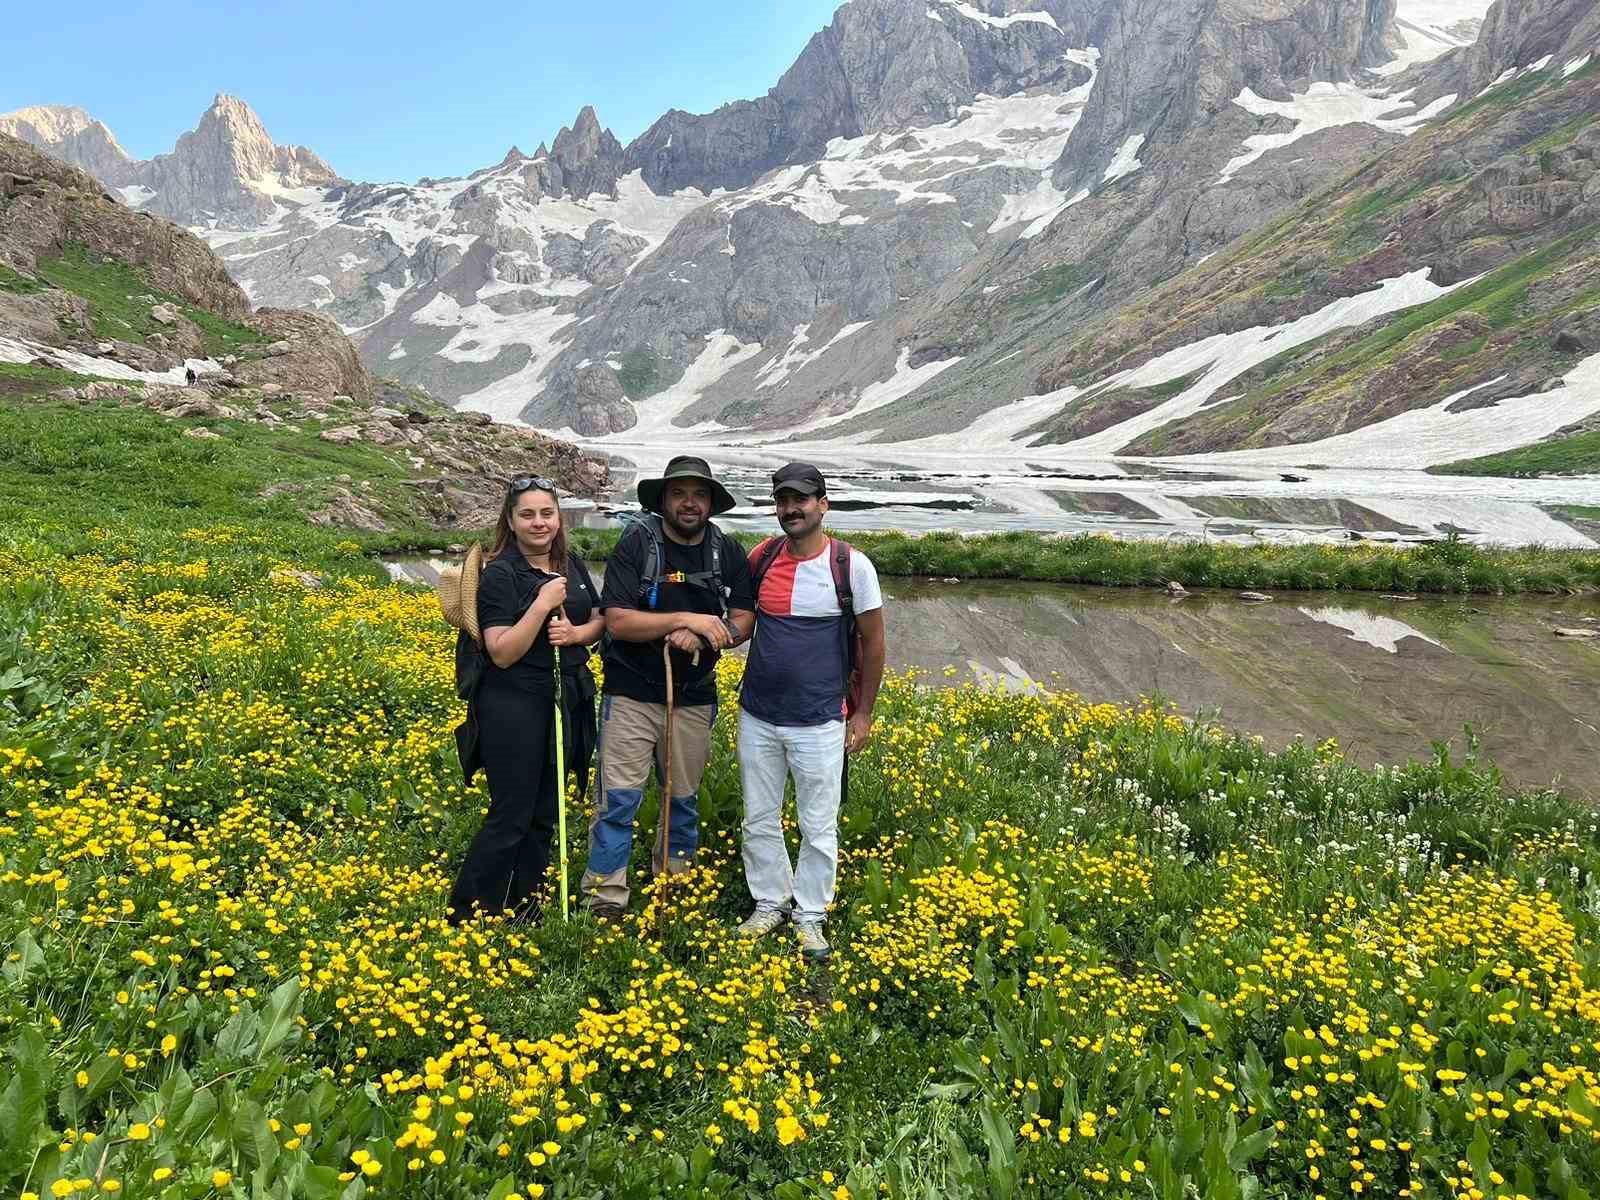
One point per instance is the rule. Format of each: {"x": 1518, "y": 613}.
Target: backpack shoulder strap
{"x": 766, "y": 554}
{"x": 839, "y": 561}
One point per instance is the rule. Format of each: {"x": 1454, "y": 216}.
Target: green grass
{"x": 233, "y": 809}
{"x": 1092, "y": 558}
{"x": 113, "y": 291}
{"x": 1578, "y": 454}
{"x": 1503, "y": 96}
{"x": 93, "y": 465}
{"x": 11, "y": 281}
{"x": 1052, "y": 283}
{"x": 639, "y": 377}
{"x": 21, "y": 379}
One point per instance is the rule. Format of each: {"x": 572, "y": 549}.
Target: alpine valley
{"x": 1354, "y": 233}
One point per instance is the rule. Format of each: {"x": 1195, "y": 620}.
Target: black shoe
{"x": 607, "y": 913}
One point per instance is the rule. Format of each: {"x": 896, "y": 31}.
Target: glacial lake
{"x": 1387, "y": 677}
{"x": 1028, "y": 490}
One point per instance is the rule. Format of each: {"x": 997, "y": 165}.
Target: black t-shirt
{"x": 506, "y": 590}
{"x": 634, "y": 669}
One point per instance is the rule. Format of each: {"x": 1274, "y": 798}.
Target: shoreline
{"x": 1444, "y": 567}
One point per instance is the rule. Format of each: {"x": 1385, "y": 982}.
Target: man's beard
{"x": 680, "y": 529}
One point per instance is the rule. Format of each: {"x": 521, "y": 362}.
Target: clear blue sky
{"x": 400, "y": 89}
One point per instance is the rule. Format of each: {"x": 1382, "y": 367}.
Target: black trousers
{"x": 506, "y": 864}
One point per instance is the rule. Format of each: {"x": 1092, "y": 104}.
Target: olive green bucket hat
{"x": 685, "y": 466}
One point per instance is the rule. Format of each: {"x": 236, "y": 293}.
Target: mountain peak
{"x": 71, "y": 134}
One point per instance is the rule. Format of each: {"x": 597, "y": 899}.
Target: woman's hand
{"x": 551, "y": 596}
{"x": 563, "y": 632}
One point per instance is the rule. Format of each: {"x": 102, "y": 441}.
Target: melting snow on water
{"x": 1385, "y": 633}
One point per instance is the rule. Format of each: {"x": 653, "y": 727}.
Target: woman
{"x": 535, "y": 601}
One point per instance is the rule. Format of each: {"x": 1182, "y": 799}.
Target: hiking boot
{"x": 761, "y": 922}
{"x": 606, "y": 913}
{"x": 812, "y": 944}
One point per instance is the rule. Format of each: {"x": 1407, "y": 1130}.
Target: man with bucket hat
{"x": 677, "y": 592}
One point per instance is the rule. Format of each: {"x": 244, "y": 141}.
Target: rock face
{"x": 73, "y": 136}
{"x": 50, "y": 206}
{"x": 944, "y": 208}
{"x": 225, "y": 169}
{"x": 306, "y": 354}
{"x": 881, "y": 65}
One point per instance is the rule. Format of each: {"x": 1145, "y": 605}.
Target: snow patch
{"x": 1222, "y": 357}
{"x": 1576, "y": 65}
{"x": 1429, "y": 436}
{"x": 136, "y": 195}
{"x": 1326, "y": 106}
{"x": 905, "y": 380}
{"x": 658, "y": 414}
{"x": 1426, "y": 29}
{"x": 1126, "y": 161}
{"x": 24, "y": 350}
{"x": 993, "y": 22}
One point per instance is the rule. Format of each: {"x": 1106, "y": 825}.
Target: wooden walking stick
{"x": 664, "y": 825}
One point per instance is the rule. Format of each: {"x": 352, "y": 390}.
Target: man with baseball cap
{"x": 810, "y": 684}
{"x": 674, "y": 580}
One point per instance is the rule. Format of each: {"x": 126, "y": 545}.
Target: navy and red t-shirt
{"x": 798, "y": 668}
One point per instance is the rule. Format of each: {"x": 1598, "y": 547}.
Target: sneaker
{"x": 606, "y": 913}
{"x": 812, "y": 944}
{"x": 761, "y": 922}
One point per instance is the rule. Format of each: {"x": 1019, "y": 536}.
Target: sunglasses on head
{"x": 524, "y": 483}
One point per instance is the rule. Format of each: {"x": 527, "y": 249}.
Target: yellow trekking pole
{"x": 561, "y": 782}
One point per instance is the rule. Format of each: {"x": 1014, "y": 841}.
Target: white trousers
{"x": 814, "y": 755}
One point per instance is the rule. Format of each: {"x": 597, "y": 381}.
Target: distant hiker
{"x": 810, "y": 684}
{"x": 189, "y": 376}
{"x": 677, "y": 581}
{"x": 535, "y": 600}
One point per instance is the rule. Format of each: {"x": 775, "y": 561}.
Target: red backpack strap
{"x": 761, "y": 561}
{"x": 839, "y": 561}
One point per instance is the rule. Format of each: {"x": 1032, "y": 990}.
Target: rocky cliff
{"x": 226, "y": 170}
{"x": 1048, "y": 223}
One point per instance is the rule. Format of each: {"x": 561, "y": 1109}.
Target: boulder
{"x": 165, "y": 314}
{"x": 201, "y": 433}
{"x": 309, "y": 354}
{"x": 342, "y": 435}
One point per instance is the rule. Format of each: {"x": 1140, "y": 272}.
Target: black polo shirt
{"x": 506, "y": 590}
{"x": 634, "y": 669}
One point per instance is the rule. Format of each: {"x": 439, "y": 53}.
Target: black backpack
{"x": 651, "y": 577}
{"x": 470, "y": 662}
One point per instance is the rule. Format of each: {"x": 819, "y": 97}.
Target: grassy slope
{"x": 90, "y": 465}
{"x": 1321, "y": 379}
{"x": 1324, "y": 235}
{"x": 1576, "y": 454}
{"x": 114, "y": 291}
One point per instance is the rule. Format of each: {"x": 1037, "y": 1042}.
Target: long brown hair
{"x": 504, "y": 537}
